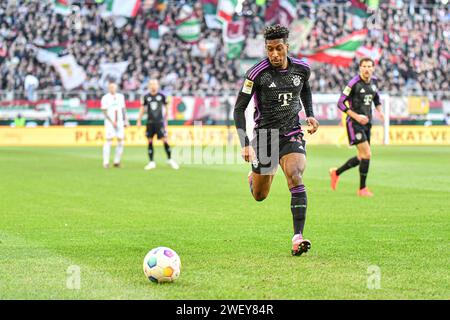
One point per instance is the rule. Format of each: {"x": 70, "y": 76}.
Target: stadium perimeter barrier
{"x": 75, "y": 119}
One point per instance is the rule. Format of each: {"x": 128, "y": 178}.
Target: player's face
{"x": 277, "y": 52}
{"x": 112, "y": 88}
{"x": 153, "y": 86}
{"x": 366, "y": 70}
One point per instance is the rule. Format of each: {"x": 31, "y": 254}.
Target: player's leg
{"x": 106, "y": 152}
{"x": 163, "y": 136}
{"x": 293, "y": 165}
{"x": 109, "y": 135}
{"x": 364, "y": 153}
{"x": 261, "y": 176}
{"x": 350, "y": 163}
{"x": 260, "y": 185}
{"x": 120, "y": 134}
{"x": 151, "y": 164}
{"x": 149, "y": 133}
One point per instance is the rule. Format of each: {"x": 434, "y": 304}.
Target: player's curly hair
{"x": 276, "y": 31}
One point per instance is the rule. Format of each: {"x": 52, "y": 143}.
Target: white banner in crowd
{"x": 254, "y": 48}
{"x": 113, "y": 70}
{"x": 72, "y": 75}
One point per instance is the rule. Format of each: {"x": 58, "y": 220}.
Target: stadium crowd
{"x": 414, "y": 40}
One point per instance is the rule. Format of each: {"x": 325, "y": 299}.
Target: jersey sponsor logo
{"x": 368, "y": 99}
{"x": 297, "y": 81}
{"x": 362, "y": 90}
{"x": 285, "y": 98}
{"x": 273, "y": 85}
{"x": 248, "y": 86}
{"x": 347, "y": 90}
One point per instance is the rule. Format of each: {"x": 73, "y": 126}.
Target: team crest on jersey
{"x": 158, "y": 98}
{"x": 359, "y": 136}
{"x": 374, "y": 87}
{"x": 297, "y": 81}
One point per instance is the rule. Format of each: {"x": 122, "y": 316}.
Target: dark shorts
{"x": 155, "y": 128}
{"x": 266, "y": 161}
{"x": 357, "y": 133}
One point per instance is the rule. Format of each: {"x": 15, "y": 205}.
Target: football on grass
{"x": 162, "y": 264}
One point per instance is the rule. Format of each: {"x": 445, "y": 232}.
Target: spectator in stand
{"x": 19, "y": 121}
{"x": 31, "y": 84}
{"x": 414, "y": 39}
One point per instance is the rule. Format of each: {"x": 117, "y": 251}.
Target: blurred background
{"x": 57, "y": 55}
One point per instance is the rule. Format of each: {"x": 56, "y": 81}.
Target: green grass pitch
{"x": 60, "y": 208}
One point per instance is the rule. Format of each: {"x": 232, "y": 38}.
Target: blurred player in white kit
{"x": 113, "y": 107}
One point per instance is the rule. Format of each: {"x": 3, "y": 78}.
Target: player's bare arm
{"x": 360, "y": 118}
{"x": 141, "y": 113}
{"x": 380, "y": 111}
{"x": 306, "y": 98}
{"x": 313, "y": 124}
{"x": 114, "y": 123}
{"x": 125, "y": 117}
{"x": 248, "y": 153}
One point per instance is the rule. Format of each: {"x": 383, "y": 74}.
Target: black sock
{"x": 150, "y": 151}
{"x": 363, "y": 170}
{"x": 298, "y": 208}
{"x": 167, "y": 148}
{"x": 352, "y": 162}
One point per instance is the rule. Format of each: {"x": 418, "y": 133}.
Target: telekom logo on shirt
{"x": 285, "y": 97}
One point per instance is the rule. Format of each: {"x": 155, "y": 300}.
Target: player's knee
{"x": 366, "y": 155}
{"x": 294, "y": 180}
{"x": 259, "y": 195}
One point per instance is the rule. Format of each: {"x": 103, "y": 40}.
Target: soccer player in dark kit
{"x": 279, "y": 85}
{"x": 360, "y": 93}
{"x": 155, "y": 104}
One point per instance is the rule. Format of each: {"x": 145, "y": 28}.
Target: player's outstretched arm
{"x": 166, "y": 113}
{"x": 380, "y": 111}
{"x": 141, "y": 113}
{"x": 242, "y": 101}
{"x": 109, "y": 119}
{"x": 125, "y": 116}
{"x": 360, "y": 118}
{"x": 306, "y": 97}
{"x": 377, "y": 102}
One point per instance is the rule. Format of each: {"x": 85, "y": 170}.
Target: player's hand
{"x": 381, "y": 114}
{"x": 313, "y": 123}
{"x": 115, "y": 124}
{"x": 362, "y": 119}
{"x": 248, "y": 153}
{"x": 139, "y": 123}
